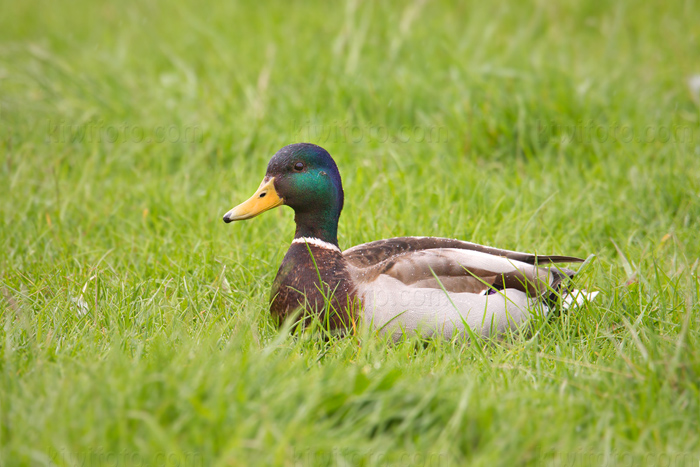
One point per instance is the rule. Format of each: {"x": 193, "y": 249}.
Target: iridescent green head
{"x": 304, "y": 177}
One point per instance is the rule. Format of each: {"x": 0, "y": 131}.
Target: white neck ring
{"x": 316, "y": 242}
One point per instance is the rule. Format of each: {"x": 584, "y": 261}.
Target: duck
{"x": 425, "y": 286}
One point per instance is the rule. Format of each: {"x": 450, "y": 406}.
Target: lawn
{"x": 134, "y": 324}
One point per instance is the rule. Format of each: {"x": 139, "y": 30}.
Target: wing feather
{"x": 372, "y": 253}
{"x": 460, "y": 271}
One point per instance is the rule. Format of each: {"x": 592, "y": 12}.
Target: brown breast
{"x": 297, "y": 287}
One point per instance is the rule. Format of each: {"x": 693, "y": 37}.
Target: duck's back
{"x": 441, "y": 285}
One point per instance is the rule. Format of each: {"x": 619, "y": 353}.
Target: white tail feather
{"x": 576, "y": 298}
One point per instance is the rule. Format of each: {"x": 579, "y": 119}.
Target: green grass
{"x": 134, "y": 325}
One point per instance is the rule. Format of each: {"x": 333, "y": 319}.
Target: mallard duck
{"x": 403, "y": 285}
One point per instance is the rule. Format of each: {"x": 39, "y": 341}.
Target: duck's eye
{"x": 299, "y": 166}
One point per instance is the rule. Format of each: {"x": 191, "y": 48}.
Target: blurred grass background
{"x": 134, "y": 322}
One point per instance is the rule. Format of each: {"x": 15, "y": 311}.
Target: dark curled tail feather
{"x": 561, "y": 283}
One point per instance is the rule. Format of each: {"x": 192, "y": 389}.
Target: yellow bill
{"x": 265, "y": 198}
